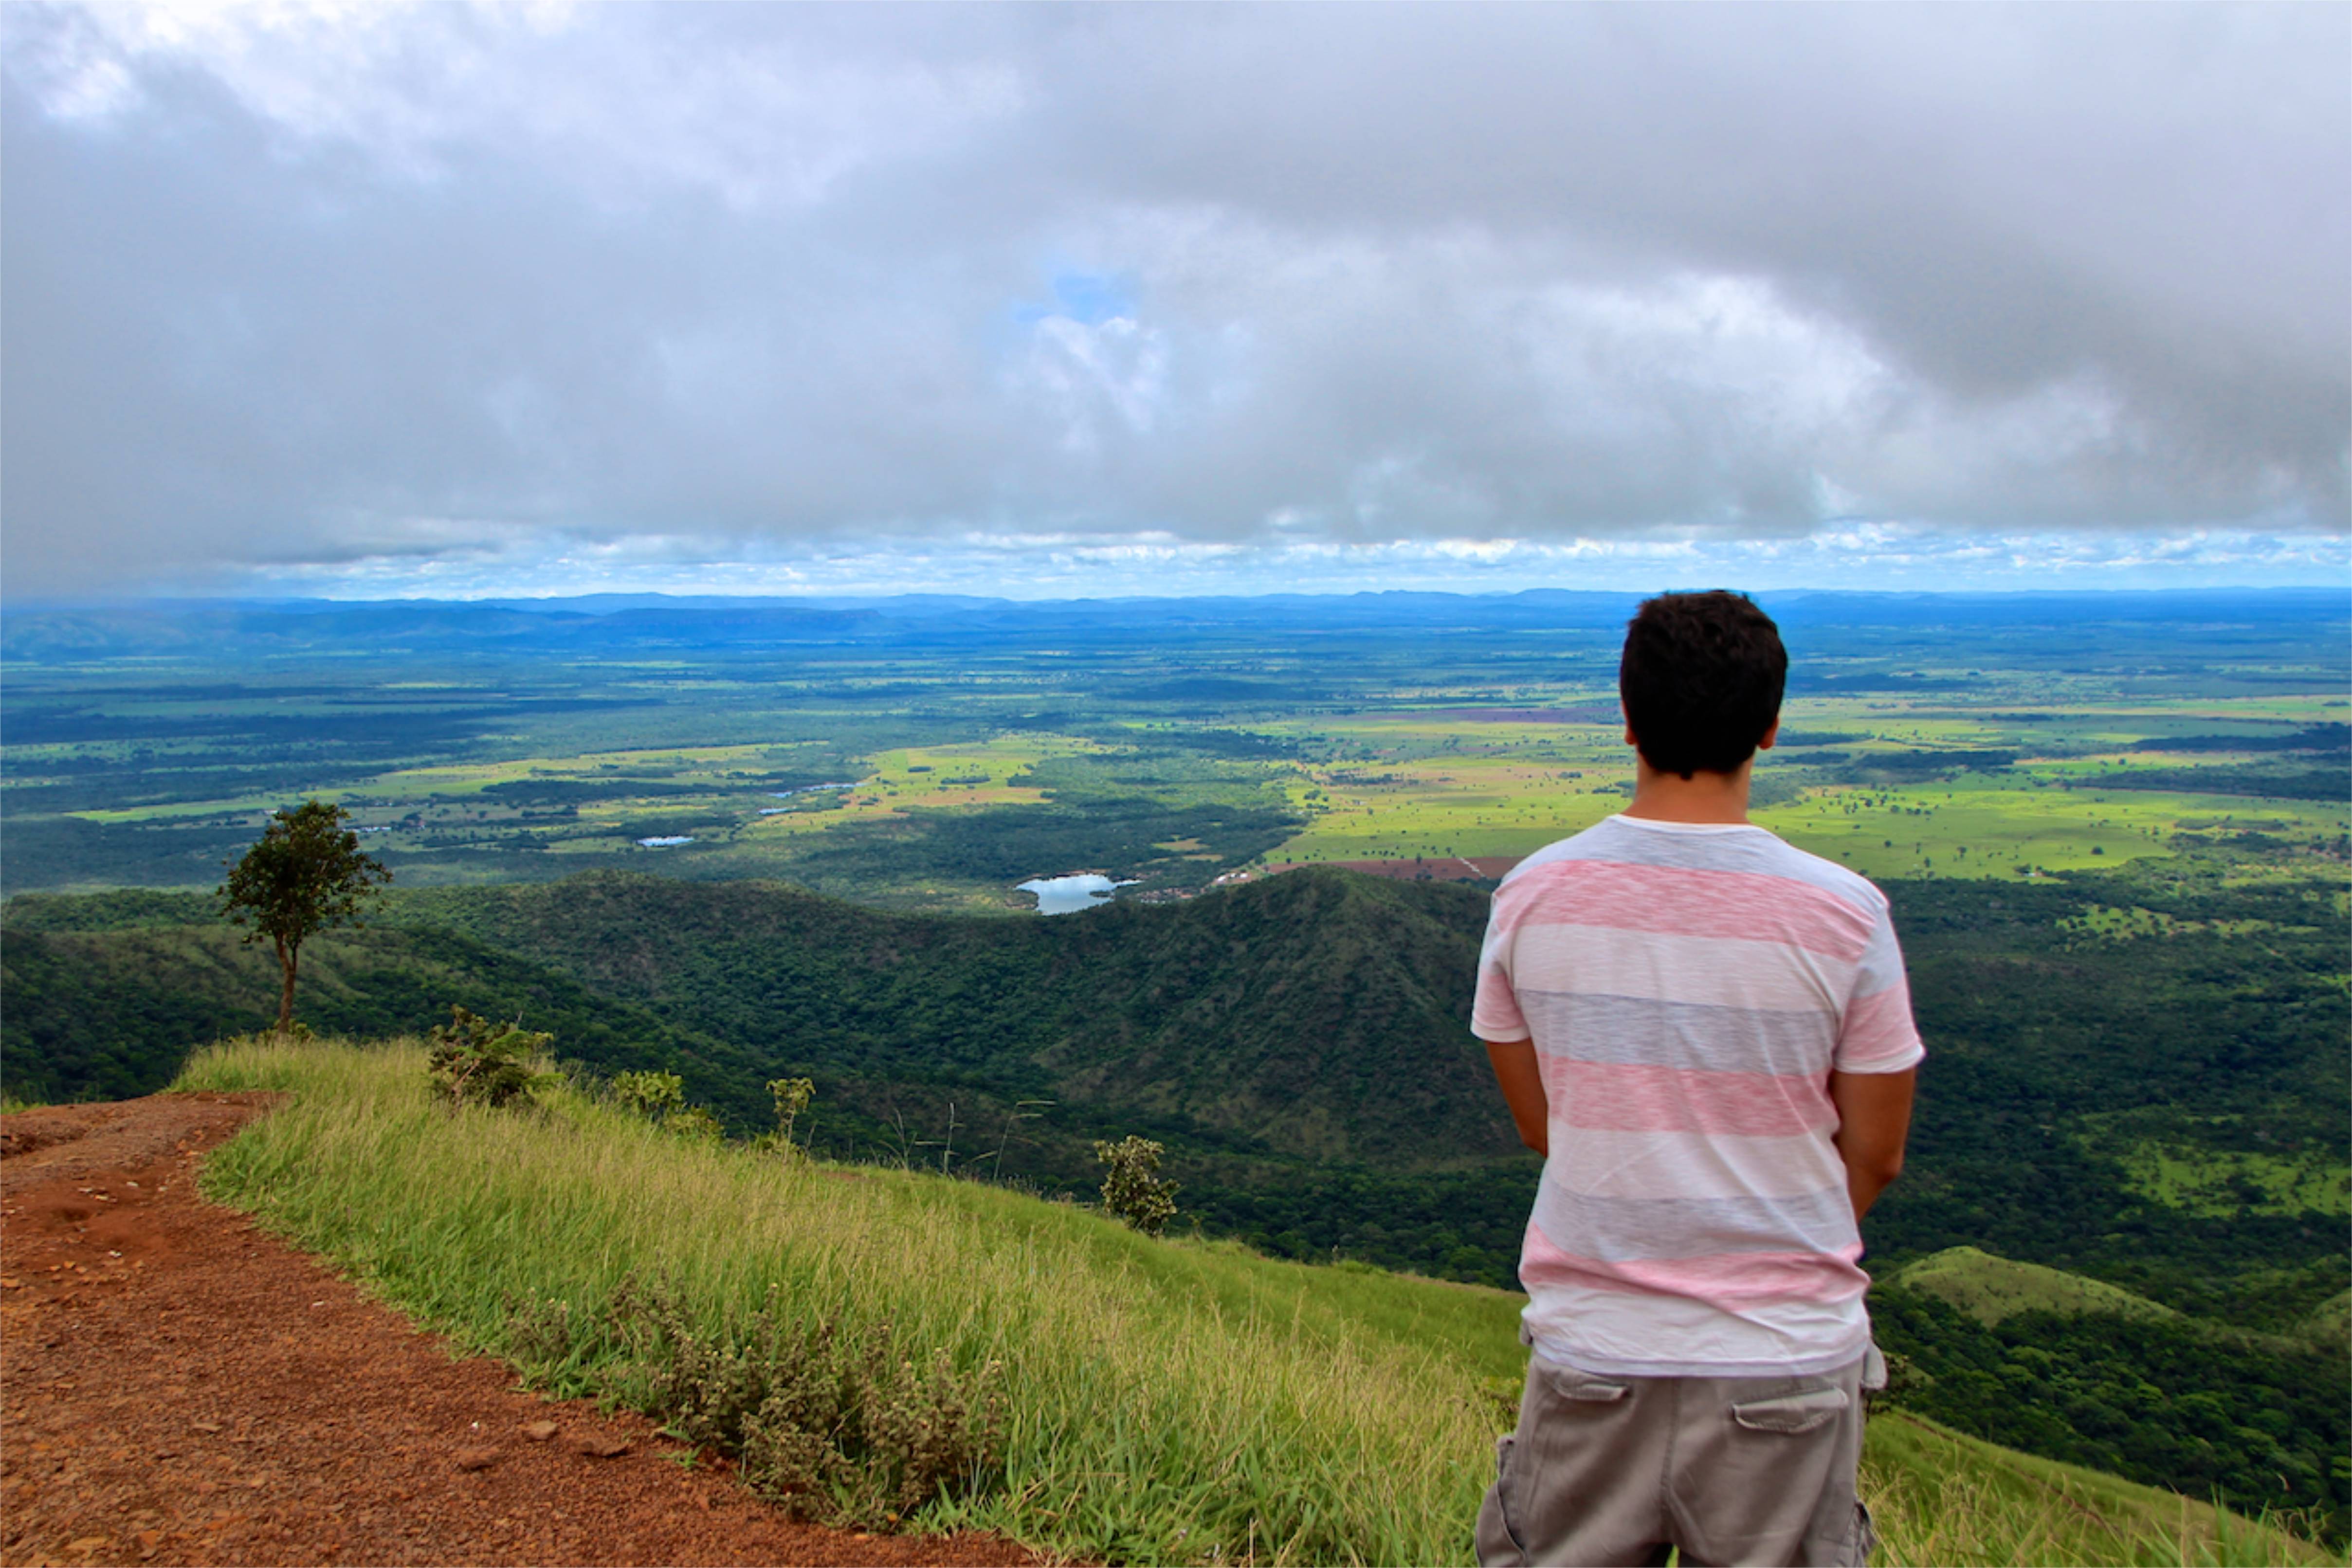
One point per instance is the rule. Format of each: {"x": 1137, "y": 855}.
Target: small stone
{"x": 539, "y": 1431}
{"x": 477, "y": 1459}
{"x": 206, "y": 1425}
{"x": 600, "y": 1445}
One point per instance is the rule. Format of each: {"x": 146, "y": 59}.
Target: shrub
{"x": 830, "y": 1424}
{"x": 694, "y": 1121}
{"x": 1131, "y": 1190}
{"x": 793, "y": 1097}
{"x": 478, "y": 1061}
{"x": 649, "y": 1093}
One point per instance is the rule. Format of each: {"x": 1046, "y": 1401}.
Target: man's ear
{"x": 1771, "y": 735}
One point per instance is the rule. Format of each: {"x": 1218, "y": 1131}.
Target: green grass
{"x": 1167, "y": 1403}
{"x": 1989, "y": 1288}
{"x": 1939, "y": 1498}
{"x": 2220, "y": 1182}
{"x": 1167, "y": 1400}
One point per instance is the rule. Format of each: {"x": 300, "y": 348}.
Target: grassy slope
{"x": 1169, "y": 1401}
{"x": 1989, "y": 1288}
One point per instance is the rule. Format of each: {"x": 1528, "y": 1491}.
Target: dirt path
{"x": 176, "y": 1386}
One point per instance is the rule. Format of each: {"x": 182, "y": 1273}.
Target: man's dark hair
{"x": 1701, "y": 678}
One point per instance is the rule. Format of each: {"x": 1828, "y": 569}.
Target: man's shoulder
{"x": 1820, "y": 872}
{"x": 1746, "y": 849}
{"x": 1601, "y": 841}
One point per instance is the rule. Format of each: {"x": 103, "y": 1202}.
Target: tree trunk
{"x": 286, "y": 959}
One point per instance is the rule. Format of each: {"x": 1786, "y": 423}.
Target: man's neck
{"x": 1702, "y": 798}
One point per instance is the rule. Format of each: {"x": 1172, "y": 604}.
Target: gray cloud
{"x": 396, "y": 284}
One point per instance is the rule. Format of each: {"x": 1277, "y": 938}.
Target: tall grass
{"x": 1165, "y": 1401}
{"x": 1148, "y": 1416}
{"x": 1939, "y": 1498}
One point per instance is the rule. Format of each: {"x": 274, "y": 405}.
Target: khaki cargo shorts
{"x": 1731, "y": 1469}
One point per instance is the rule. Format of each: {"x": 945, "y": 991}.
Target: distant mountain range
{"x": 259, "y": 629}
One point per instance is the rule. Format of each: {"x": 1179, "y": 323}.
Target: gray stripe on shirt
{"x": 1621, "y": 1230}
{"x": 1641, "y": 1031}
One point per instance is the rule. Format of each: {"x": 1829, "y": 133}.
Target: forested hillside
{"x": 1300, "y": 1043}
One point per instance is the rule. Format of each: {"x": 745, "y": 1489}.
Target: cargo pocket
{"x": 1496, "y": 1537}
{"x": 1580, "y": 1387}
{"x": 1866, "y": 1538}
{"x": 1793, "y": 1412}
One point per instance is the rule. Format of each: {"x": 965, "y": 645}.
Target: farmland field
{"x": 935, "y": 758}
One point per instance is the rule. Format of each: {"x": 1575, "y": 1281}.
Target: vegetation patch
{"x": 2220, "y": 1183}
{"x": 1156, "y": 1401}
{"x": 1989, "y": 1288}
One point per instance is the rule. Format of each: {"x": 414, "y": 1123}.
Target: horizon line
{"x": 716, "y": 598}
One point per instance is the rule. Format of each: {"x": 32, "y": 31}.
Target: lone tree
{"x": 304, "y": 875}
{"x": 1132, "y": 1190}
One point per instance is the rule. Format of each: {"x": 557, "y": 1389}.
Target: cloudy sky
{"x": 380, "y": 299}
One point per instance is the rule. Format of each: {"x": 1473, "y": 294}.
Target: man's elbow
{"x": 1883, "y": 1165}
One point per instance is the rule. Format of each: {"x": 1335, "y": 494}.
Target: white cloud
{"x": 303, "y": 283}
{"x": 1059, "y": 564}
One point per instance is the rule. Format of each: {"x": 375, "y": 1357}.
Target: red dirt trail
{"x": 177, "y": 1387}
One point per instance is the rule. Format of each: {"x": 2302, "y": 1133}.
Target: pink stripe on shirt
{"x": 1628, "y": 1098}
{"x": 1732, "y": 1281}
{"x": 1740, "y": 905}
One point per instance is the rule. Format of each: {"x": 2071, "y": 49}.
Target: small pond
{"x": 670, "y": 842}
{"x": 1068, "y": 895}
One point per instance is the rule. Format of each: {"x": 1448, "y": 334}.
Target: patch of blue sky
{"x": 1090, "y": 299}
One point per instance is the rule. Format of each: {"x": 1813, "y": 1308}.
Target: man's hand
{"x": 1523, "y": 1090}
{"x": 1873, "y": 1120}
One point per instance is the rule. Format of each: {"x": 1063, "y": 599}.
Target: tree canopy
{"x": 305, "y": 875}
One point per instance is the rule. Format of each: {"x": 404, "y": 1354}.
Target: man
{"x": 1707, "y": 1035}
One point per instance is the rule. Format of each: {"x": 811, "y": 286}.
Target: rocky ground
{"x": 178, "y": 1386}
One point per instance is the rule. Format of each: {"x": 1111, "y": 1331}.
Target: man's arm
{"x": 1523, "y": 1090}
{"x": 1873, "y": 1120}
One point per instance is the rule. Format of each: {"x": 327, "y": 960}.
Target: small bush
{"x": 694, "y": 1121}
{"x": 477, "y": 1062}
{"x": 830, "y": 1424}
{"x": 649, "y": 1093}
{"x": 1130, "y": 1189}
{"x": 793, "y": 1097}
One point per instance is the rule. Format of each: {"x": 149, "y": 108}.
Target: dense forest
{"x": 2254, "y": 1422}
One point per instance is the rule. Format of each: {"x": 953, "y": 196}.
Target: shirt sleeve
{"x": 1876, "y": 1035}
{"x": 1495, "y": 1014}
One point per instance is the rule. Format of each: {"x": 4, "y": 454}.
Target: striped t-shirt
{"x": 1689, "y": 988}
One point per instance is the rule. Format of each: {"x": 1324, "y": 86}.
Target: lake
{"x": 1068, "y": 895}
